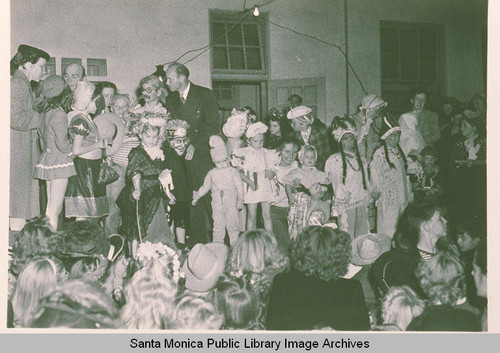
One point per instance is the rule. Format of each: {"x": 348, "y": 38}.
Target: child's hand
{"x": 195, "y": 200}
{"x": 190, "y": 152}
{"x": 375, "y": 195}
{"x": 252, "y": 185}
{"x": 171, "y": 197}
{"x": 136, "y": 194}
{"x": 269, "y": 174}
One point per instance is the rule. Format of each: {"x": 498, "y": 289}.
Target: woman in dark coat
{"x": 314, "y": 295}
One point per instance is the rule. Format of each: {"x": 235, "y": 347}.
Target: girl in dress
{"x": 306, "y": 175}
{"x": 391, "y": 187}
{"x": 146, "y": 194}
{"x": 256, "y": 164}
{"x": 84, "y": 197}
{"x": 347, "y": 173}
{"x": 55, "y": 165}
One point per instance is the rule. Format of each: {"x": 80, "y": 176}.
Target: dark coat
{"x": 300, "y": 302}
{"x": 201, "y": 111}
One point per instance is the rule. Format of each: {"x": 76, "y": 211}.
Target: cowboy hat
{"x": 203, "y": 266}
{"x": 365, "y": 249}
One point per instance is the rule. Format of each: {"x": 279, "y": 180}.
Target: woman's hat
{"x": 204, "y": 265}
{"x": 365, "y": 249}
{"x": 372, "y": 101}
{"x": 52, "y": 86}
{"x": 387, "y": 128}
{"x": 255, "y": 129}
{"x": 28, "y": 50}
{"x": 300, "y": 112}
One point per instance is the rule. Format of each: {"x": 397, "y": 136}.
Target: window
{"x": 238, "y": 46}
{"x": 410, "y": 55}
{"x": 96, "y": 67}
{"x": 223, "y": 90}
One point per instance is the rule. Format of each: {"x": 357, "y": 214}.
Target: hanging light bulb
{"x": 256, "y": 11}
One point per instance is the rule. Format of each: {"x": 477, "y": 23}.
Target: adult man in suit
{"x": 198, "y": 106}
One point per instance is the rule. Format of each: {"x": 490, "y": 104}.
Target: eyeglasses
{"x": 149, "y": 89}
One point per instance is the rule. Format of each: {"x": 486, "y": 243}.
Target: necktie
{"x": 182, "y": 99}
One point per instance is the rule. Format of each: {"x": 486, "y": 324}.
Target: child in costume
{"x": 347, "y": 173}
{"x": 152, "y": 94}
{"x": 226, "y": 186}
{"x": 306, "y": 175}
{"x": 147, "y": 191}
{"x": 319, "y": 209}
{"x": 391, "y": 185}
{"x": 55, "y": 165}
{"x": 256, "y": 166}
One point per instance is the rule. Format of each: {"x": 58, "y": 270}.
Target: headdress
{"x": 139, "y": 120}
{"x": 387, "y": 128}
{"x": 372, "y": 101}
{"x": 342, "y": 126}
{"x": 232, "y": 126}
{"x": 148, "y": 252}
{"x": 301, "y": 112}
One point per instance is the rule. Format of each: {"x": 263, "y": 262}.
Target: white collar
{"x": 154, "y": 152}
{"x": 184, "y": 94}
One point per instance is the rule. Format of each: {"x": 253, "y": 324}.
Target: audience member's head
{"x": 469, "y": 234}
{"x": 256, "y": 251}
{"x": 442, "y": 278}
{"x": 107, "y": 90}
{"x": 195, "y": 313}
{"x": 37, "y": 238}
{"x": 400, "y": 305}
{"x": 301, "y": 118}
{"x": 422, "y": 224}
{"x": 322, "y": 252}
{"x": 150, "y": 296}
{"x": 238, "y": 302}
{"x": 204, "y": 265}
{"x": 418, "y": 98}
{"x": 445, "y": 318}
{"x": 77, "y": 304}
{"x": 294, "y": 101}
{"x": 73, "y": 73}
{"x": 38, "y": 279}
{"x": 31, "y": 61}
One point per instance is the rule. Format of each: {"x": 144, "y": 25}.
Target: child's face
{"x": 348, "y": 142}
{"x": 309, "y": 159}
{"x": 120, "y": 107}
{"x": 466, "y": 243}
{"x": 222, "y": 164}
{"x": 150, "y": 138}
{"x": 150, "y": 92}
{"x": 274, "y": 127}
{"x": 393, "y": 139}
{"x": 257, "y": 141}
{"x": 180, "y": 145}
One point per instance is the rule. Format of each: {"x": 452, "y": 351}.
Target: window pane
{"x": 236, "y": 59}
{"x": 220, "y": 58}
{"x": 253, "y": 59}
{"x": 390, "y": 67}
{"x": 389, "y": 41}
{"x": 428, "y": 42}
{"x": 251, "y": 35}
{"x": 218, "y": 30}
{"x": 50, "y": 67}
{"x": 408, "y": 67}
{"x": 408, "y": 41}
{"x": 234, "y": 36}
{"x": 428, "y": 68}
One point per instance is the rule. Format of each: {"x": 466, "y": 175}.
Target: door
{"x": 311, "y": 89}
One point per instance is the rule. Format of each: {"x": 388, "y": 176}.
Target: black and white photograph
{"x": 279, "y": 165}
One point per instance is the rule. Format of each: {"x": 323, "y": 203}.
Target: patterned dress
{"x": 394, "y": 188}
{"x": 84, "y": 196}
{"x": 351, "y": 199}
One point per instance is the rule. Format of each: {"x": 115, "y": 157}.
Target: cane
{"x": 137, "y": 218}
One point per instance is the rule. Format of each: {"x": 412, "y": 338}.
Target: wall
{"x": 138, "y": 35}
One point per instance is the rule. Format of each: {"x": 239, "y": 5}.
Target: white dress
{"x": 254, "y": 163}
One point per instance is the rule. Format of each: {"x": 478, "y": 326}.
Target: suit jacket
{"x": 201, "y": 111}
{"x": 24, "y": 149}
{"x": 300, "y": 302}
